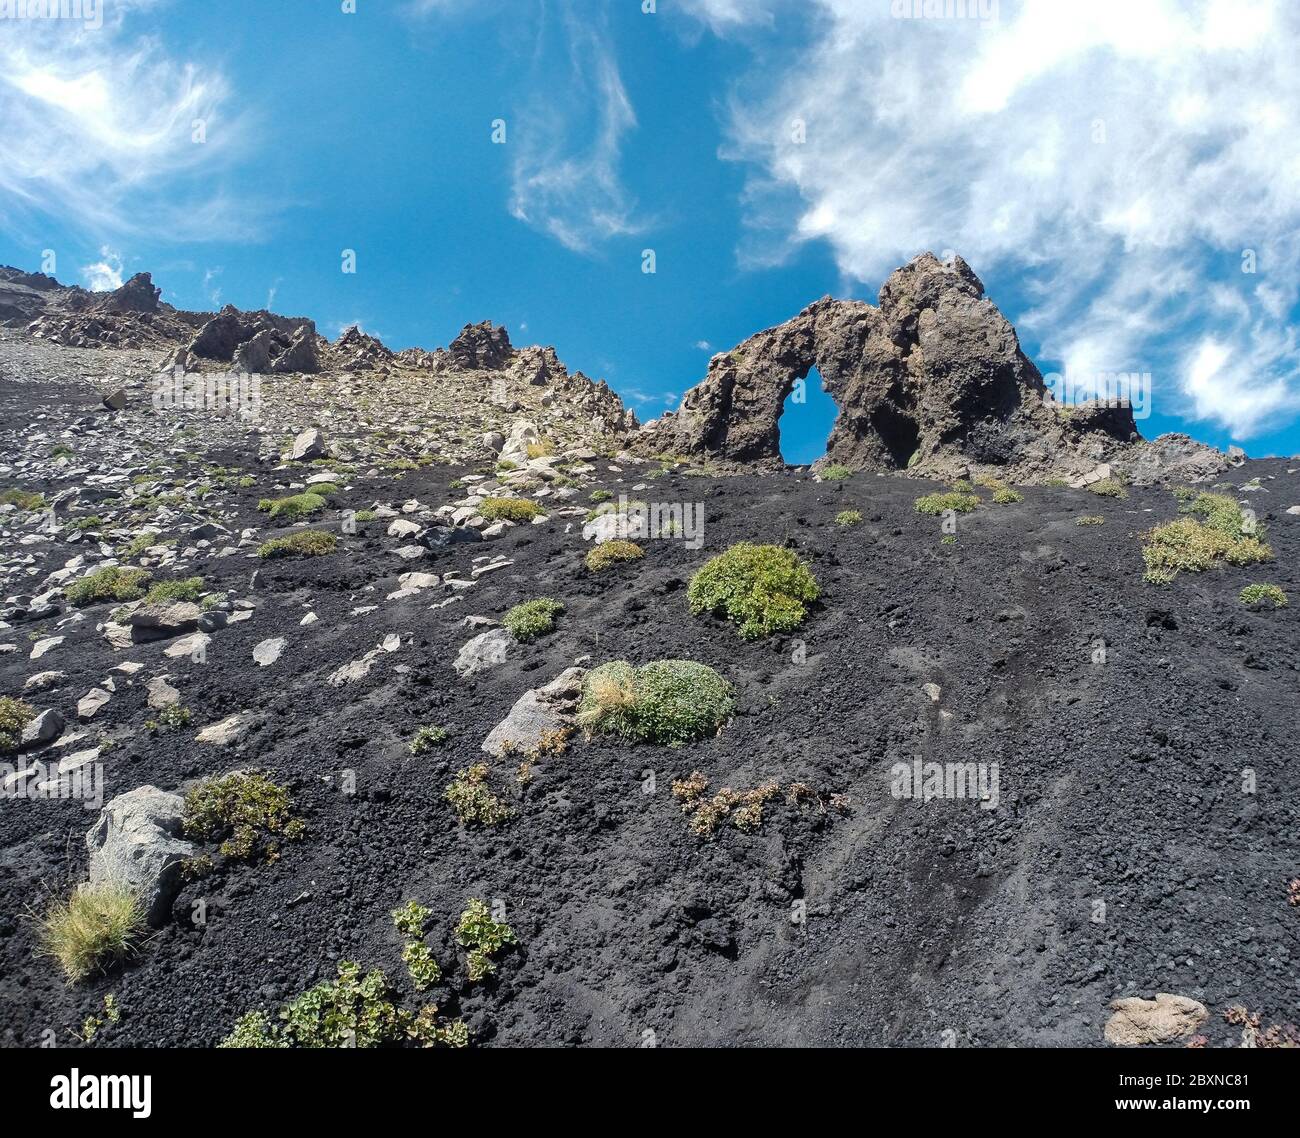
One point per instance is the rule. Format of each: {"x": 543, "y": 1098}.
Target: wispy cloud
{"x": 568, "y": 119}
{"x": 1118, "y": 157}
{"x": 108, "y": 131}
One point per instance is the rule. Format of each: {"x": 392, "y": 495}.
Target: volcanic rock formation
{"x": 931, "y": 380}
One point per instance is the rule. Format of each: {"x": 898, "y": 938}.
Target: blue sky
{"x": 1108, "y": 169}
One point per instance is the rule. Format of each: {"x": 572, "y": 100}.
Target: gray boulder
{"x": 136, "y": 841}
{"x": 308, "y": 445}
{"x": 536, "y": 713}
{"x": 160, "y": 621}
{"x": 485, "y": 651}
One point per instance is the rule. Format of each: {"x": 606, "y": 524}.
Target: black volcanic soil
{"x": 1120, "y": 782}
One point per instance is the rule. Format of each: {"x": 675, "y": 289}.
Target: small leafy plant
{"x": 473, "y": 800}
{"x": 1257, "y": 596}
{"x": 836, "y": 472}
{"x": 426, "y": 738}
{"x": 483, "y": 937}
{"x": 847, "y": 518}
{"x": 764, "y": 589}
{"x": 936, "y": 504}
{"x": 182, "y": 589}
{"x": 14, "y": 716}
{"x": 245, "y": 811}
{"x": 294, "y": 506}
{"x": 531, "y": 619}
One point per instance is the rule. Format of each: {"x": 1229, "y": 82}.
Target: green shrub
{"x": 410, "y": 919}
{"x": 1186, "y": 544}
{"x": 14, "y": 716}
{"x": 308, "y": 543}
{"x": 531, "y": 619}
{"x": 937, "y": 504}
{"x": 836, "y": 472}
{"x": 667, "y": 701}
{"x": 365, "y": 515}
{"x": 509, "y": 509}
{"x": 764, "y": 589}
{"x": 483, "y": 937}
{"x": 601, "y": 495}
{"x": 506, "y": 465}
{"x": 426, "y": 738}
{"x": 473, "y": 800}
{"x": 352, "y": 1011}
{"x": 139, "y": 544}
{"x": 182, "y": 589}
{"x": 1004, "y": 496}
{"x": 613, "y": 553}
{"x": 293, "y": 507}
{"x": 848, "y": 518}
{"x": 93, "y": 929}
{"x": 1090, "y": 520}
{"x": 1109, "y": 488}
{"x": 23, "y": 499}
{"x": 1254, "y": 595}
{"x": 246, "y": 810}
{"x": 173, "y": 717}
{"x": 112, "y": 583}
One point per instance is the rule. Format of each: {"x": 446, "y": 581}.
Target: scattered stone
{"x": 92, "y": 703}
{"x": 268, "y": 651}
{"x": 137, "y": 841}
{"x": 161, "y": 693}
{"x": 42, "y": 646}
{"x": 1166, "y": 1018}
{"x": 537, "y": 713}
{"x": 226, "y": 731}
{"x": 45, "y": 728}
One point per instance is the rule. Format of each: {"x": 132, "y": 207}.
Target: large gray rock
{"x": 308, "y": 445}
{"x": 487, "y": 650}
{"x": 45, "y": 728}
{"x": 537, "y": 713}
{"x": 163, "y": 620}
{"x": 136, "y": 841}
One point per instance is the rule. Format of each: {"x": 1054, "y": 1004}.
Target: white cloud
{"x": 566, "y": 121}
{"x": 104, "y": 275}
{"x": 97, "y": 127}
{"x": 1116, "y": 156}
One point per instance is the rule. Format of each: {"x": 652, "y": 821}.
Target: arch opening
{"x": 898, "y": 433}
{"x": 807, "y": 416}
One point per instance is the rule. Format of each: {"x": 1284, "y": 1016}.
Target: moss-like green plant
{"x": 1260, "y": 595}
{"x": 23, "y": 499}
{"x": 365, "y": 515}
{"x": 936, "y": 504}
{"x": 531, "y": 619}
{"x": 1109, "y": 488}
{"x": 93, "y": 929}
{"x": 139, "y": 544}
{"x": 836, "y": 472}
{"x": 294, "y": 506}
{"x": 246, "y": 811}
{"x": 112, "y": 583}
{"x": 1090, "y": 520}
{"x": 670, "y": 702}
{"x": 848, "y": 518}
{"x": 181, "y": 589}
{"x": 764, "y": 589}
{"x": 1004, "y": 496}
{"x": 509, "y": 509}
{"x": 601, "y": 495}
{"x": 613, "y": 553}
{"x": 426, "y": 738}
{"x": 14, "y": 716}
{"x": 1187, "y": 544}
{"x": 483, "y": 937}
{"x": 351, "y": 1011}
{"x": 473, "y": 800}
{"x": 506, "y": 465}
{"x": 307, "y": 543}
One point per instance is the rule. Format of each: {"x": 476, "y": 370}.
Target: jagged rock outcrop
{"x": 931, "y": 380}
{"x": 361, "y": 352}
{"x": 139, "y": 294}
{"x": 481, "y": 347}
{"x": 257, "y": 341}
